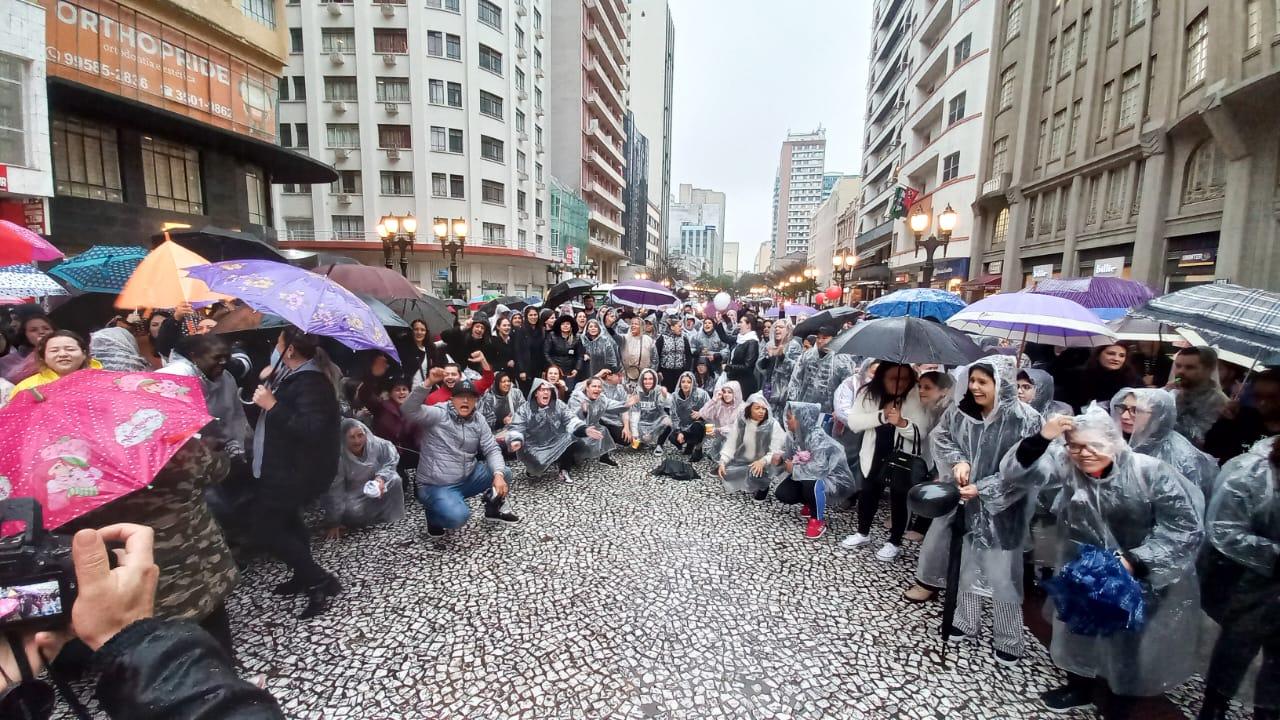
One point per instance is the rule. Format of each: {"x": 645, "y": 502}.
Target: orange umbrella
{"x": 161, "y": 281}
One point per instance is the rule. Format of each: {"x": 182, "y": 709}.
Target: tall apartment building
{"x": 1132, "y": 138}
{"x": 651, "y": 85}
{"x": 926, "y": 114}
{"x": 434, "y": 108}
{"x": 696, "y": 230}
{"x": 823, "y": 225}
{"x": 635, "y": 218}
{"x": 797, "y": 192}
{"x": 588, "y": 58}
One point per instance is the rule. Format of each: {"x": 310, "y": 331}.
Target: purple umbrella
{"x": 312, "y": 302}
{"x": 1097, "y": 292}
{"x": 798, "y": 310}
{"x": 1031, "y": 317}
{"x": 643, "y": 294}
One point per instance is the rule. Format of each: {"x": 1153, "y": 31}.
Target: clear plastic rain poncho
{"x": 721, "y": 414}
{"x": 601, "y": 349}
{"x": 1141, "y": 507}
{"x": 1153, "y": 435}
{"x": 1244, "y": 514}
{"x": 704, "y": 342}
{"x": 545, "y": 431}
{"x": 817, "y": 374}
{"x": 355, "y": 499}
{"x": 991, "y": 563}
{"x": 1043, "y": 402}
{"x": 777, "y": 370}
{"x": 1199, "y": 408}
{"x": 815, "y": 456}
{"x": 749, "y": 441}
{"x": 651, "y": 415}
{"x": 596, "y": 413}
{"x": 495, "y": 408}
{"x": 683, "y": 406}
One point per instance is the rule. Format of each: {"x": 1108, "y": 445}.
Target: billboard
{"x": 114, "y": 48}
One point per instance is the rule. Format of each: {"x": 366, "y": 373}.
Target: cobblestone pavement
{"x": 621, "y": 596}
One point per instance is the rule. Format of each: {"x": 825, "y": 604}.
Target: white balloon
{"x": 722, "y": 301}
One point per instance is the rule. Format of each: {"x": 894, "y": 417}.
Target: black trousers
{"x": 693, "y": 435}
{"x": 790, "y": 492}
{"x": 615, "y": 432}
{"x": 1241, "y": 640}
{"x": 279, "y": 530}
{"x": 869, "y": 501}
{"x": 218, "y": 624}
{"x": 670, "y": 378}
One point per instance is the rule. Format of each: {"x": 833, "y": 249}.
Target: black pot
{"x": 933, "y": 500}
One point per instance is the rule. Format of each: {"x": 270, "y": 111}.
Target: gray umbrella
{"x": 430, "y": 310}
{"x": 907, "y": 340}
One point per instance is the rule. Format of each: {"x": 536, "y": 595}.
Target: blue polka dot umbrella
{"x": 25, "y": 281}
{"x": 101, "y": 268}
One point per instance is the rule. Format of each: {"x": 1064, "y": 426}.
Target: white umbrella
{"x": 1026, "y": 317}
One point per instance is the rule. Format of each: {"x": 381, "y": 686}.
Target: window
{"x": 1041, "y": 145}
{"x": 1086, "y": 25}
{"x": 1129, "y": 89}
{"x": 520, "y": 124}
{"x": 522, "y": 200}
{"x": 1031, "y": 215}
{"x": 348, "y": 182}
{"x": 13, "y": 144}
{"x": 340, "y": 88}
{"x": 299, "y": 229}
{"x": 394, "y": 136}
{"x": 520, "y": 80}
{"x": 1116, "y": 182}
{"x": 1206, "y": 177}
{"x": 442, "y": 139}
{"x": 439, "y": 185}
{"x": 490, "y": 14}
{"x": 1046, "y": 212}
{"x": 347, "y": 227}
{"x": 295, "y": 189}
{"x": 1150, "y": 89}
{"x": 1053, "y": 61}
{"x": 342, "y": 135}
{"x": 283, "y": 88}
{"x": 262, "y": 11}
{"x": 435, "y": 43}
{"x": 396, "y": 183}
{"x": 1138, "y": 176}
{"x": 1253, "y": 23}
{"x": 537, "y": 135}
{"x": 491, "y": 148}
{"x": 450, "y": 5}
{"x": 523, "y": 236}
{"x": 302, "y": 134}
{"x": 955, "y": 109}
{"x": 1000, "y": 230}
{"x": 494, "y": 234}
{"x": 392, "y": 89}
{"x": 537, "y": 19}
{"x": 435, "y": 92}
{"x": 1000, "y": 157}
{"x": 171, "y": 174}
{"x": 1067, "y": 61}
{"x": 519, "y": 37}
{"x": 1095, "y": 186}
{"x": 522, "y": 164}
{"x": 537, "y": 208}
{"x": 1012, "y": 19}
{"x": 453, "y": 47}
{"x": 295, "y": 40}
{"x": 1062, "y": 208}
{"x": 86, "y": 160}
{"x": 490, "y": 59}
{"x": 537, "y": 59}
{"x": 490, "y": 105}
{"x": 285, "y": 133}
{"x": 1137, "y": 12}
{"x": 537, "y": 98}
{"x": 338, "y": 40}
{"x": 455, "y": 94}
{"x": 255, "y": 196}
{"x": 299, "y": 88}
{"x": 537, "y": 171}
{"x": 1073, "y": 129}
{"x": 390, "y": 40}
{"x": 493, "y": 192}
{"x": 457, "y": 187}
{"x": 963, "y": 48}
{"x": 1057, "y": 133}
{"x": 1115, "y": 20}
{"x": 951, "y": 167}
{"x": 455, "y": 140}
{"x": 1104, "y": 113}
{"x": 1006, "y": 88}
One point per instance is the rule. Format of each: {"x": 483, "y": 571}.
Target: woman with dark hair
{"x": 499, "y": 405}
{"x": 57, "y": 355}
{"x": 740, "y": 365}
{"x": 563, "y": 349}
{"x": 1107, "y": 373}
{"x": 703, "y": 374}
{"x": 296, "y": 446}
{"x": 554, "y": 377}
{"x": 419, "y": 354}
{"x": 599, "y": 349}
{"x": 502, "y": 347}
{"x": 528, "y": 345}
{"x": 20, "y": 362}
{"x": 892, "y": 421}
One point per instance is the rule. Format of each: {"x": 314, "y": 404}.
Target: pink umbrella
{"x": 19, "y": 246}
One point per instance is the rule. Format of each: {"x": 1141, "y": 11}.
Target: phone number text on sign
{"x": 84, "y": 64}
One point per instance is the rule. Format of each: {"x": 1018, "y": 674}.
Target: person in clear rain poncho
{"x": 650, "y": 421}
{"x": 544, "y": 431}
{"x": 498, "y": 406}
{"x": 1241, "y": 586}
{"x": 368, "y": 489}
{"x": 820, "y": 475}
{"x": 602, "y": 413}
{"x": 777, "y": 362}
{"x": 1035, "y": 388}
{"x": 1135, "y": 506}
{"x": 967, "y": 445}
{"x": 1146, "y": 417}
{"x": 599, "y": 349}
{"x": 1198, "y": 391}
{"x": 819, "y": 372}
{"x": 719, "y": 414}
{"x": 752, "y": 450}
{"x": 687, "y": 431}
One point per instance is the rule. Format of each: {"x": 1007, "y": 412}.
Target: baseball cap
{"x": 465, "y": 387}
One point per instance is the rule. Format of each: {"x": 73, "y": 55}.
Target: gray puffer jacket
{"x": 448, "y": 443}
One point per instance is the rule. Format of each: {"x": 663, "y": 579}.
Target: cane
{"x": 935, "y": 500}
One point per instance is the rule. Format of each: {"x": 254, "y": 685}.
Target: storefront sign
{"x": 995, "y": 267}
{"x": 1040, "y": 272}
{"x": 35, "y": 215}
{"x": 1109, "y": 267}
{"x": 4, "y": 178}
{"x": 902, "y": 278}
{"x": 127, "y": 53}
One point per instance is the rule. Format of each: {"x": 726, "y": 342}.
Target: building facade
{"x": 1132, "y": 139}
{"x": 588, "y": 59}
{"x": 823, "y": 225}
{"x": 764, "y": 256}
{"x": 568, "y": 224}
{"x": 635, "y": 218}
{"x": 26, "y": 163}
{"x": 651, "y": 86}
{"x": 435, "y": 109}
{"x": 702, "y": 210}
{"x": 730, "y": 264}
{"x": 797, "y": 193}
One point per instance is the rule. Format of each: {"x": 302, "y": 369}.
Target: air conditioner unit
{"x": 523, "y": 138}
{"x": 520, "y": 53}
{"x": 524, "y": 215}
{"x": 538, "y": 148}
{"x": 538, "y": 34}
{"x": 393, "y": 153}
{"x": 388, "y": 59}
{"x": 335, "y": 9}
{"x": 538, "y": 112}
{"x": 538, "y": 74}
{"x": 336, "y": 58}
{"x": 392, "y": 108}
{"x": 341, "y": 153}
{"x": 340, "y": 106}
{"x": 522, "y": 96}
{"x": 523, "y": 176}
{"x": 542, "y": 221}
{"x": 342, "y": 199}
{"x": 388, "y": 10}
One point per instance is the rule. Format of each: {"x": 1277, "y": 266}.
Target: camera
{"x": 37, "y": 576}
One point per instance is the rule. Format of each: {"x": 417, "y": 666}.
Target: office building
{"x": 764, "y": 255}
{"x": 651, "y": 84}
{"x": 696, "y": 229}
{"x": 823, "y": 226}
{"x": 635, "y": 217}
{"x": 730, "y": 259}
{"x": 26, "y": 185}
{"x": 797, "y": 192}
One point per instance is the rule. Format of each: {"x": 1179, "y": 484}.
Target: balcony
{"x": 603, "y": 82}
{"x": 602, "y": 110}
{"x": 602, "y": 192}
{"x": 603, "y": 12}
{"x": 993, "y": 190}
{"x": 599, "y": 162}
{"x": 610, "y": 65}
{"x": 597, "y": 133}
{"x": 884, "y": 18}
{"x": 615, "y": 44}
{"x": 609, "y": 224}
{"x": 874, "y": 238}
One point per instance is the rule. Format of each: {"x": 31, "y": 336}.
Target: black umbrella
{"x": 430, "y": 310}
{"x": 216, "y": 244}
{"x": 562, "y": 293}
{"x": 835, "y": 316}
{"x": 907, "y": 340}
{"x": 86, "y": 313}
{"x": 511, "y": 301}
{"x": 935, "y": 500}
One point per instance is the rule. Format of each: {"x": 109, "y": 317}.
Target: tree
{"x": 746, "y": 281}
{"x": 715, "y": 283}
{"x": 668, "y": 267}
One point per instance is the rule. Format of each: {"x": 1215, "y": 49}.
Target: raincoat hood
{"x": 1002, "y": 369}
{"x": 807, "y": 415}
{"x": 533, "y": 393}
{"x": 679, "y": 393}
{"x": 657, "y": 383}
{"x": 1044, "y": 388}
{"x": 757, "y": 399}
{"x": 1163, "y": 415}
{"x": 117, "y": 349}
{"x": 1095, "y": 428}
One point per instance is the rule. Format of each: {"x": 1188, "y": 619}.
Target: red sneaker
{"x": 804, "y": 511}
{"x": 816, "y": 529}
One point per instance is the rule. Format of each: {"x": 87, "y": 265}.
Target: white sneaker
{"x": 855, "y": 540}
{"x": 888, "y": 552}
{"x": 565, "y": 476}
{"x": 657, "y": 451}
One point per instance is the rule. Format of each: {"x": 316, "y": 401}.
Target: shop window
{"x": 1206, "y": 176}
{"x": 171, "y": 174}
{"x": 86, "y": 160}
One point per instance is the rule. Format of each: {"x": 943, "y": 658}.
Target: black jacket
{"x": 500, "y": 353}
{"x": 160, "y": 669}
{"x": 303, "y": 438}
{"x": 559, "y": 351}
{"x": 530, "y": 354}
{"x": 741, "y": 366}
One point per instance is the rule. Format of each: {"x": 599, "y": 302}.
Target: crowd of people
{"x": 1165, "y": 457}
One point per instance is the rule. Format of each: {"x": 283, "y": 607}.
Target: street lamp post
{"x": 398, "y": 232}
{"x": 841, "y": 268}
{"x": 591, "y": 269}
{"x": 452, "y": 236}
{"x": 919, "y": 225}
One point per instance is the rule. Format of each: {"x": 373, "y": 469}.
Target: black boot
{"x": 292, "y": 586}
{"x": 697, "y": 454}
{"x": 318, "y": 597}
{"x": 1216, "y": 706}
{"x": 606, "y": 460}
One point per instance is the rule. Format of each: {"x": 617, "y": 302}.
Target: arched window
{"x": 1001, "y": 229}
{"x": 1206, "y": 176}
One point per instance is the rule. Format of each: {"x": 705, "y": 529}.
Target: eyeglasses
{"x": 1026, "y": 387}
{"x": 1133, "y": 410}
{"x": 1083, "y": 449}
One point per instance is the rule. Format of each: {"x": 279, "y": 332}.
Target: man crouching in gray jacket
{"x": 450, "y": 437}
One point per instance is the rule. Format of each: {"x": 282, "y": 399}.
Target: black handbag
{"x": 903, "y": 470}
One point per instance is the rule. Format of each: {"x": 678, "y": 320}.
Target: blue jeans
{"x": 446, "y": 505}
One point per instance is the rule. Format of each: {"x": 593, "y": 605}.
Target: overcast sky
{"x": 746, "y": 71}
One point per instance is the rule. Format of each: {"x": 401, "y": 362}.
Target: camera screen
{"x": 29, "y": 601}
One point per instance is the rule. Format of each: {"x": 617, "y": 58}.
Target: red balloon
{"x": 835, "y": 292}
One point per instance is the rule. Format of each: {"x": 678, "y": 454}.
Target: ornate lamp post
{"x": 841, "y": 268}
{"x": 919, "y": 226}
{"x": 452, "y": 236}
{"x": 555, "y": 271}
{"x": 398, "y": 232}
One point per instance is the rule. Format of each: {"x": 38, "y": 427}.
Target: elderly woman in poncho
{"x": 368, "y": 489}
{"x": 752, "y": 450}
{"x": 820, "y": 473}
{"x": 599, "y": 349}
{"x": 650, "y": 421}
{"x": 718, "y": 415}
{"x": 1146, "y": 417}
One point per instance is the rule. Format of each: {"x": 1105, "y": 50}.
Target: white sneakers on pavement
{"x": 888, "y": 553}
{"x": 855, "y": 540}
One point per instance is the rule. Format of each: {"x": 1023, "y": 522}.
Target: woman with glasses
{"x": 1146, "y": 417}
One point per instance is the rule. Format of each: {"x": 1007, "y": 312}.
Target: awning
{"x": 283, "y": 165}
{"x": 879, "y": 272}
{"x": 989, "y": 280}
